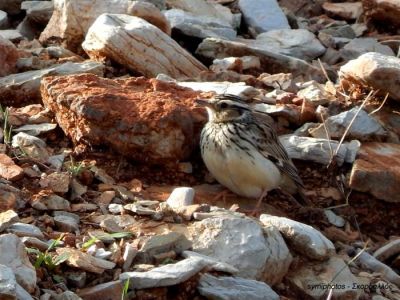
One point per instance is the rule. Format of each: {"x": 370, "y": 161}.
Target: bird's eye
{"x": 223, "y": 105}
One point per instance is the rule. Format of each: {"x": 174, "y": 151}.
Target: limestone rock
{"x": 58, "y": 182}
{"x": 3, "y": 19}
{"x": 203, "y": 8}
{"x": 199, "y": 26}
{"x": 263, "y": 15}
{"x": 24, "y": 88}
{"x": 309, "y": 279}
{"x": 374, "y": 70}
{"x": 373, "y": 172}
{"x": 13, "y": 255}
{"x": 318, "y": 150}
{"x": 239, "y": 242}
{"x": 359, "y": 46}
{"x": 234, "y": 288}
{"x": 7, "y": 218}
{"x": 146, "y": 120}
{"x": 303, "y": 238}
{"x": 38, "y": 11}
{"x": 166, "y": 275}
{"x": 31, "y": 145}
{"x": 363, "y": 128}
{"x": 299, "y": 43}
{"x": 8, "y": 57}
{"x": 389, "y": 250}
{"x": 8, "y": 284}
{"x": 140, "y": 46}
{"x": 110, "y": 290}
{"x": 85, "y": 261}
{"x": 271, "y": 62}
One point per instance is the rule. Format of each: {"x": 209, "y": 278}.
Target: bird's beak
{"x": 202, "y": 102}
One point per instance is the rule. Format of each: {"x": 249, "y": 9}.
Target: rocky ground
{"x": 103, "y": 193}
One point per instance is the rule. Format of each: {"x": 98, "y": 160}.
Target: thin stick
{"x": 352, "y": 121}
{"x": 328, "y": 136}
{"x": 380, "y": 106}
{"x": 323, "y": 70}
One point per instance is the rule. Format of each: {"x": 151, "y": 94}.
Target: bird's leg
{"x": 221, "y": 195}
{"x": 256, "y": 209}
{"x": 291, "y": 198}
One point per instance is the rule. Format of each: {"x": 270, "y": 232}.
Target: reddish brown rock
{"x": 383, "y": 11}
{"x": 377, "y": 171}
{"x": 8, "y": 57}
{"x": 8, "y": 169}
{"x": 144, "y": 119}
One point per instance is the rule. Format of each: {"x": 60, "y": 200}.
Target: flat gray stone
{"x": 51, "y": 202}
{"x": 263, "y": 15}
{"x": 166, "y": 275}
{"x": 3, "y": 19}
{"x": 390, "y": 249}
{"x": 23, "y": 230}
{"x": 36, "y": 129}
{"x": 234, "y": 288}
{"x": 31, "y": 145}
{"x": 213, "y": 263}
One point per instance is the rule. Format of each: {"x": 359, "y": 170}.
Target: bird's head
{"x": 226, "y": 108}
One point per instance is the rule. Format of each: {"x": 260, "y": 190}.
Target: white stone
{"x": 263, "y": 15}
{"x": 139, "y": 46}
{"x": 7, "y": 218}
{"x": 234, "y": 288}
{"x": 71, "y": 19}
{"x": 182, "y": 196}
{"x": 199, "y": 26}
{"x": 316, "y": 93}
{"x": 12, "y": 35}
{"x": 334, "y": 219}
{"x": 235, "y": 63}
{"x": 239, "y": 242}
{"x": 344, "y": 10}
{"x": 299, "y": 43}
{"x": 36, "y": 129}
{"x": 318, "y": 150}
{"x": 375, "y": 70}
{"x": 3, "y": 19}
{"x": 166, "y": 275}
{"x": 364, "y": 126}
{"x": 32, "y": 146}
{"x": 304, "y": 238}
{"x": 204, "y": 9}
{"x": 14, "y": 256}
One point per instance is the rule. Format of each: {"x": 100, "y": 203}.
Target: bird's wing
{"x": 270, "y": 147}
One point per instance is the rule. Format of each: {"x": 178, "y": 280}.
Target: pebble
{"x": 182, "y": 196}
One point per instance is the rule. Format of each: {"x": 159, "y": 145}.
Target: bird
{"x": 242, "y": 151}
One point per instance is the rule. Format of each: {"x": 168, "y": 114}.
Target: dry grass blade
{"x": 350, "y": 124}
{"x": 324, "y": 71}
{"x": 328, "y": 136}
{"x": 380, "y": 106}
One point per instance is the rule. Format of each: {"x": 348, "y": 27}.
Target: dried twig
{"x": 323, "y": 70}
{"x": 350, "y": 124}
{"x": 328, "y": 136}
{"x": 380, "y": 106}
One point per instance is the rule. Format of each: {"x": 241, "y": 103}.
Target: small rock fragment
{"x": 9, "y": 170}
{"x": 7, "y": 218}
{"x": 110, "y": 290}
{"x": 84, "y": 261}
{"x": 58, "y": 182}
{"x": 182, "y": 196}
{"x": 26, "y": 230}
